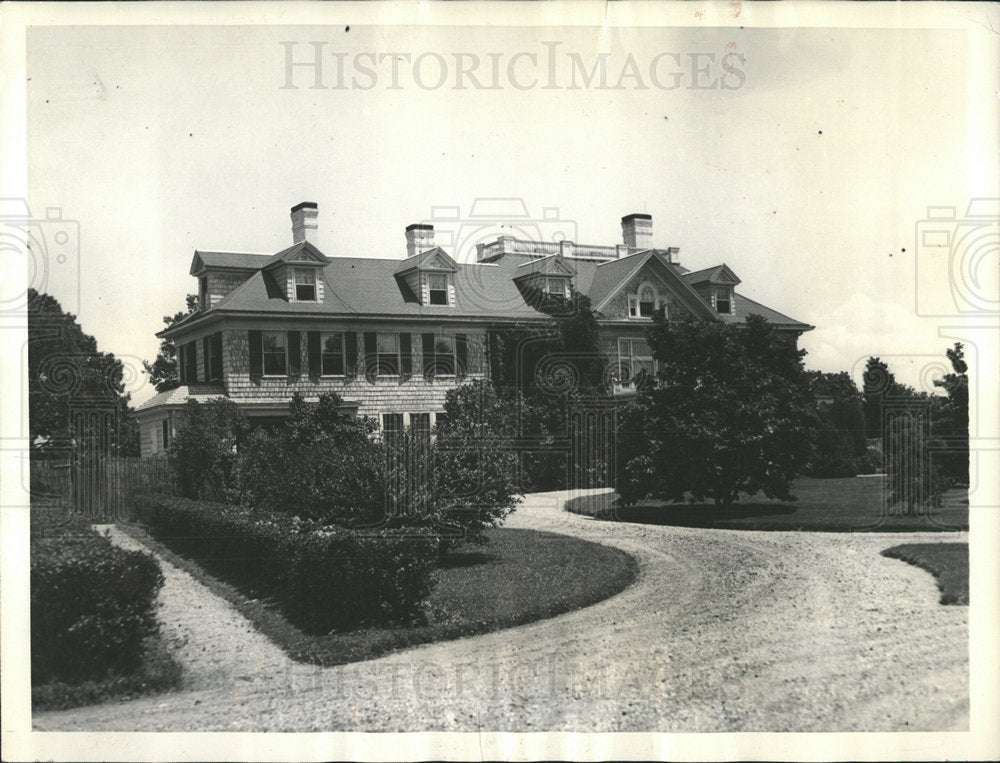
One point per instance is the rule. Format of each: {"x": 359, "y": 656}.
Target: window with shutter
{"x": 427, "y": 342}
{"x": 461, "y": 355}
{"x": 314, "y": 349}
{"x": 351, "y": 351}
{"x": 405, "y": 356}
{"x": 256, "y": 354}
{"x": 294, "y": 353}
{"x": 275, "y": 353}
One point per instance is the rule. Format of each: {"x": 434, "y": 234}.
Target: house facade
{"x": 392, "y": 336}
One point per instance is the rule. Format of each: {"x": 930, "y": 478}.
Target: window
{"x": 444, "y": 354}
{"x": 437, "y": 285}
{"x": 165, "y": 434}
{"x": 305, "y": 285}
{"x": 420, "y": 423}
{"x": 332, "y": 354}
{"x": 274, "y": 353}
{"x": 387, "y": 349}
{"x": 213, "y": 356}
{"x": 556, "y": 286}
{"x": 634, "y": 357}
{"x": 440, "y": 419}
{"x": 203, "y": 292}
{"x": 723, "y": 302}
{"x": 392, "y": 426}
{"x": 647, "y": 301}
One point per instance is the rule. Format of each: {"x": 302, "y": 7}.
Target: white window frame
{"x": 322, "y": 352}
{"x": 633, "y": 359}
{"x": 561, "y": 282}
{"x": 726, "y": 294}
{"x": 264, "y": 353}
{"x": 378, "y": 353}
{"x": 454, "y": 354}
{"x": 430, "y": 288}
{"x": 634, "y": 302}
{"x": 310, "y": 275}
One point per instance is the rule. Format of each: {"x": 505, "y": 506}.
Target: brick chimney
{"x": 304, "y": 223}
{"x": 419, "y": 238}
{"x": 637, "y": 231}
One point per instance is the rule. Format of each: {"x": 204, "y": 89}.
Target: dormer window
{"x": 437, "y": 287}
{"x": 558, "y": 287}
{"x": 723, "y": 300}
{"x": 305, "y": 285}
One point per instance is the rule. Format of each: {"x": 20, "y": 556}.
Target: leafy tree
{"x": 840, "y": 438}
{"x": 475, "y": 465}
{"x": 205, "y": 449}
{"x": 952, "y": 421}
{"x": 67, "y": 370}
{"x": 732, "y": 414}
{"x": 163, "y": 372}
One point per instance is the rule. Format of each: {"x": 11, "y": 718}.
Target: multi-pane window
{"x": 387, "y": 350}
{"x": 332, "y": 354}
{"x": 274, "y": 353}
{"x": 420, "y": 423}
{"x": 556, "y": 286}
{"x": 213, "y": 359}
{"x": 305, "y": 285}
{"x": 437, "y": 286}
{"x": 647, "y": 301}
{"x": 392, "y": 425}
{"x": 723, "y": 301}
{"x": 444, "y": 354}
{"x": 634, "y": 358}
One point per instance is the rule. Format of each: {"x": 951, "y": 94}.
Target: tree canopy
{"x": 67, "y": 372}
{"x": 163, "y": 371}
{"x": 731, "y": 414}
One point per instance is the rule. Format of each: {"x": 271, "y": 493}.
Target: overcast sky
{"x": 802, "y": 158}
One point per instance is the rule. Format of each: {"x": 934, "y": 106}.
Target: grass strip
{"x": 948, "y": 562}
{"x": 521, "y": 576}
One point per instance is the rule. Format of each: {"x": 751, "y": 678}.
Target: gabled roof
{"x": 433, "y": 259}
{"x": 746, "y": 307}
{"x": 553, "y": 265}
{"x": 720, "y": 274}
{"x": 302, "y": 252}
{"x": 226, "y": 260}
{"x": 611, "y": 277}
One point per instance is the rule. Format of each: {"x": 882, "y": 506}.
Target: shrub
{"x": 324, "y": 577}
{"x": 833, "y": 455}
{"x": 871, "y": 462}
{"x": 321, "y": 464}
{"x": 92, "y": 604}
{"x": 204, "y": 450}
{"x": 475, "y": 467}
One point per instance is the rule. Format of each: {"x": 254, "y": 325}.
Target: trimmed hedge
{"x": 92, "y": 603}
{"x": 324, "y": 578}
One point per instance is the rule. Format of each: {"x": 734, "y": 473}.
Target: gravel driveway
{"x": 723, "y": 631}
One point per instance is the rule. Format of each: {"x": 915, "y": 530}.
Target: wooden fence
{"x": 99, "y": 486}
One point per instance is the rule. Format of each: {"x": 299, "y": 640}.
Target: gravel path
{"x": 723, "y": 631}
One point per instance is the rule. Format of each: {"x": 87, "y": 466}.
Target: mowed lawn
{"x": 948, "y": 562}
{"x": 850, "y": 504}
{"x": 521, "y": 576}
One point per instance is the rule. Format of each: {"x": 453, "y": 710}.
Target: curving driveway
{"x": 722, "y": 631}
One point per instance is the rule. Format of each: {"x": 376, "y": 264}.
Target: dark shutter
{"x": 205, "y": 352}
{"x": 428, "y": 342}
{"x": 351, "y": 361}
{"x": 405, "y": 357}
{"x": 371, "y": 355}
{"x": 216, "y": 369}
{"x": 314, "y": 348}
{"x": 256, "y": 356}
{"x": 461, "y": 356}
{"x": 182, "y": 363}
{"x": 294, "y": 353}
